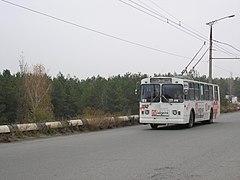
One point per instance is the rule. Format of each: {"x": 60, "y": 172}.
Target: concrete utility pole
{"x": 210, "y": 55}
{"x": 210, "y": 44}
{"x": 230, "y": 87}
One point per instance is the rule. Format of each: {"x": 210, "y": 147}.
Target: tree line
{"x": 33, "y": 96}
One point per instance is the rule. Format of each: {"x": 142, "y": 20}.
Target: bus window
{"x": 202, "y": 95}
{"x": 215, "y": 93}
{"x": 191, "y": 91}
{"x": 172, "y": 93}
{"x": 210, "y": 92}
{"x": 196, "y": 90}
{"x": 206, "y": 91}
{"x": 186, "y": 95}
{"x": 150, "y": 93}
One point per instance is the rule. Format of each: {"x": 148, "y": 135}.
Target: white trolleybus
{"x": 172, "y": 100}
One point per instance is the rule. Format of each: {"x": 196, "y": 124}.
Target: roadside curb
{"x": 6, "y": 129}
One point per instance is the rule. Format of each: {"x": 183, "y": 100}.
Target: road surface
{"x": 131, "y": 153}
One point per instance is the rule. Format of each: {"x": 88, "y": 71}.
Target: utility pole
{"x": 230, "y": 87}
{"x": 210, "y": 44}
{"x": 210, "y": 55}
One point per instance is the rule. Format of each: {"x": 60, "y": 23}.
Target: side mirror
{"x": 185, "y": 91}
{"x": 136, "y": 92}
{"x": 137, "y": 88}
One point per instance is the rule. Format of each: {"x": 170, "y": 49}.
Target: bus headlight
{"x": 147, "y": 112}
{"x": 174, "y": 112}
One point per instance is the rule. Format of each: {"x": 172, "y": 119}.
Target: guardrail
{"x": 4, "y": 129}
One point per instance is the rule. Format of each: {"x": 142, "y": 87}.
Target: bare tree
{"x": 36, "y": 93}
{"x": 37, "y": 86}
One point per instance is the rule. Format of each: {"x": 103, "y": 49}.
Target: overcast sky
{"x": 70, "y": 49}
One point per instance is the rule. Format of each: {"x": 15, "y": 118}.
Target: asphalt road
{"x": 130, "y": 153}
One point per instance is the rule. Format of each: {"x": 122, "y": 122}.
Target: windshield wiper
{"x": 166, "y": 99}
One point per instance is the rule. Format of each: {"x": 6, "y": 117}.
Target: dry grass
{"x": 96, "y": 120}
{"x": 230, "y": 108}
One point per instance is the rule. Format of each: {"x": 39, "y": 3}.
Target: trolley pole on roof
{"x": 210, "y": 44}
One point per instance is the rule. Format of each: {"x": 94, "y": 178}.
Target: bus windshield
{"x": 150, "y": 93}
{"x": 172, "y": 93}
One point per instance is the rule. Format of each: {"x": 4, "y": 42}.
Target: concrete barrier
{"x": 38, "y": 126}
{"x": 4, "y": 129}
{"x": 123, "y": 118}
{"x": 134, "y": 116}
{"x": 55, "y": 124}
{"x": 77, "y": 122}
{"x": 27, "y": 127}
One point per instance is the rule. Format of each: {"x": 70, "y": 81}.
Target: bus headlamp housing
{"x": 147, "y": 112}
{"x": 174, "y": 112}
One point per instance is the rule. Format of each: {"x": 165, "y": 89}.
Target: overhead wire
{"x": 223, "y": 69}
{"x": 227, "y": 45}
{"x": 93, "y": 30}
{"x": 145, "y": 4}
{"x": 180, "y": 24}
{"x": 152, "y": 11}
{"x": 224, "y": 51}
{"x": 207, "y": 40}
{"x": 163, "y": 19}
{"x": 105, "y": 34}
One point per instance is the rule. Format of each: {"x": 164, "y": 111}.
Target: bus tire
{"x": 154, "y": 126}
{"x": 210, "y": 121}
{"x": 190, "y": 124}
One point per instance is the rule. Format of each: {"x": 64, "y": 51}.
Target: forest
{"x": 33, "y": 96}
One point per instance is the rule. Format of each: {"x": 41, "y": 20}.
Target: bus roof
{"x": 170, "y": 80}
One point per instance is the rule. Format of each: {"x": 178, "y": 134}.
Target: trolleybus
{"x": 175, "y": 100}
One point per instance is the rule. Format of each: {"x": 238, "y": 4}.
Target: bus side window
{"x": 191, "y": 91}
{"x": 206, "y": 91}
{"x": 202, "y": 95}
{"x": 186, "y": 96}
{"x": 210, "y": 92}
{"x": 197, "y": 94}
{"x": 215, "y": 93}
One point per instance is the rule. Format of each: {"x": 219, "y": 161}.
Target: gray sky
{"x": 69, "y": 49}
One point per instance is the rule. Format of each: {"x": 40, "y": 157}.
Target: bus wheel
{"x": 210, "y": 121}
{"x": 190, "y": 124}
{"x": 154, "y": 126}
